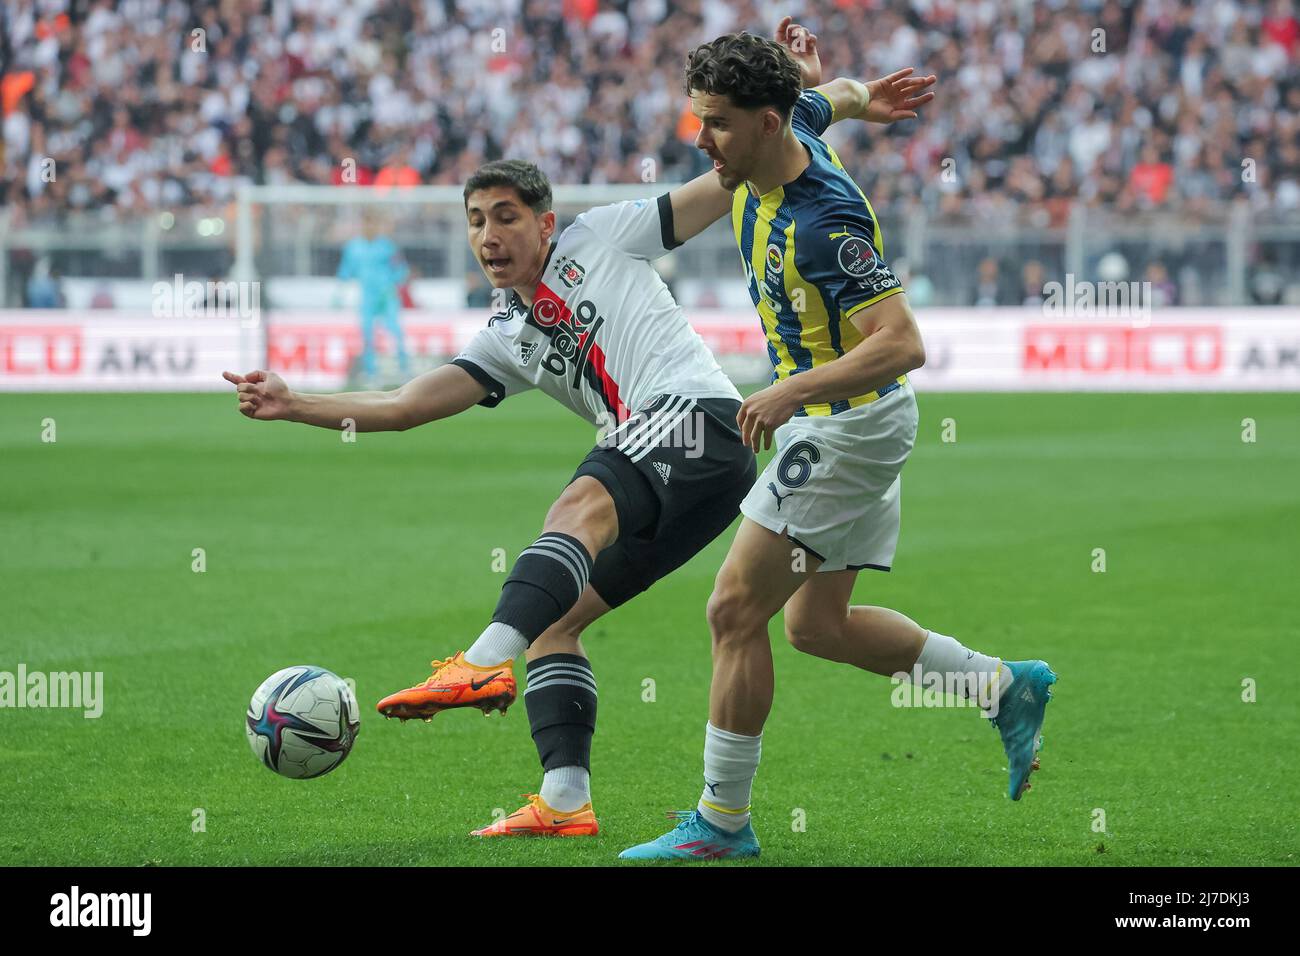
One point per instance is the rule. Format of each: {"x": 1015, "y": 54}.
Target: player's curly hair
{"x": 527, "y": 180}
{"x": 753, "y": 71}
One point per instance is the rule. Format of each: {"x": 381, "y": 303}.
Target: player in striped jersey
{"x": 841, "y": 339}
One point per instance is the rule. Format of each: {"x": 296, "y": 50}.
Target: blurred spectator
{"x": 398, "y": 172}
{"x": 1151, "y": 178}
{"x": 990, "y": 290}
{"x": 920, "y": 290}
{"x": 148, "y": 103}
{"x": 102, "y": 298}
{"x": 1032, "y": 280}
{"x": 44, "y": 290}
{"x": 1280, "y": 27}
{"x": 1267, "y": 284}
{"x": 1163, "y": 290}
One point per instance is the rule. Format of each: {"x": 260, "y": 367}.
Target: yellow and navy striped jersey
{"x": 813, "y": 255}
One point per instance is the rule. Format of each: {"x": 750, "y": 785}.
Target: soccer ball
{"x": 302, "y": 721}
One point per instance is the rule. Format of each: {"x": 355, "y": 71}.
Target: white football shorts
{"x": 833, "y": 485}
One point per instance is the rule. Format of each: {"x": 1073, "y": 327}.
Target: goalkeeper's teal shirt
{"x": 378, "y": 266}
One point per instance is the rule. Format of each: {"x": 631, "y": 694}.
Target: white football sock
{"x": 730, "y": 763}
{"x": 566, "y": 788}
{"x": 947, "y": 655}
{"x": 497, "y": 644}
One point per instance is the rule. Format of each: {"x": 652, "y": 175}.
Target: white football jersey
{"x": 604, "y": 336}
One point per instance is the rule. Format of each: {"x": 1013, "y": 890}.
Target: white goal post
{"x": 443, "y": 206}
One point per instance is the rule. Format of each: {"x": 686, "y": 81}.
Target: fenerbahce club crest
{"x": 775, "y": 260}
{"x": 856, "y": 256}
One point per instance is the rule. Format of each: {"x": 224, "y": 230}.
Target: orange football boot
{"x": 454, "y": 683}
{"x": 535, "y": 818}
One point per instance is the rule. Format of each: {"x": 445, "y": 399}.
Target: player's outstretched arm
{"x": 698, "y": 205}
{"x": 441, "y": 393}
{"x": 892, "y": 347}
{"x": 886, "y": 100}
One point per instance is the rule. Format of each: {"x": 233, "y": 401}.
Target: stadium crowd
{"x": 1132, "y": 105}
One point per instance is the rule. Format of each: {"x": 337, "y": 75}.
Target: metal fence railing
{"x": 1226, "y": 255}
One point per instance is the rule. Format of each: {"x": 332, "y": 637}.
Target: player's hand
{"x": 897, "y": 96}
{"x": 262, "y": 395}
{"x": 801, "y": 44}
{"x": 763, "y": 413}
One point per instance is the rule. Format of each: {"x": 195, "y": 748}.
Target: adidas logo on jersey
{"x": 526, "y": 350}
{"x": 663, "y": 469}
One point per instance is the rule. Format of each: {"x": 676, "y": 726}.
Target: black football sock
{"x": 544, "y": 584}
{"x": 561, "y": 703}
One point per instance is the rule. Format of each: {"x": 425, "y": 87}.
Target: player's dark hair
{"x": 527, "y": 180}
{"x": 752, "y": 71}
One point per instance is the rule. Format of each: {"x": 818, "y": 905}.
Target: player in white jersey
{"x": 590, "y": 323}
{"x": 602, "y": 335}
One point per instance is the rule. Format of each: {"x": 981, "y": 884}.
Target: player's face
{"x": 508, "y": 238}
{"x": 729, "y": 135}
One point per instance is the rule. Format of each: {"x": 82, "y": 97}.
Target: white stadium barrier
{"x": 1215, "y": 350}
{"x": 66, "y": 350}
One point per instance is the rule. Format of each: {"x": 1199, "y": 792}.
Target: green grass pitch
{"x": 371, "y": 558}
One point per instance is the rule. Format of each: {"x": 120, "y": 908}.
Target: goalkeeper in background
{"x": 377, "y": 264}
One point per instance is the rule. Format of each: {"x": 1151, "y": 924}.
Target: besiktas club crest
{"x": 571, "y": 274}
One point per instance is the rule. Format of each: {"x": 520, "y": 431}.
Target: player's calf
{"x": 876, "y": 639}
{"x": 814, "y": 637}
{"x": 741, "y": 694}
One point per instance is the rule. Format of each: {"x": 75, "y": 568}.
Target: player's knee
{"x": 733, "y": 611}
{"x": 808, "y": 633}
{"x": 584, "y": 510}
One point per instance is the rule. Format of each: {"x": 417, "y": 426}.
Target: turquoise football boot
{"x": 1020, "y": 720}
{"x": 695, "y": 838}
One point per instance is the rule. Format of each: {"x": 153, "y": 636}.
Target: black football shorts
{"x": 677, "y": 471}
